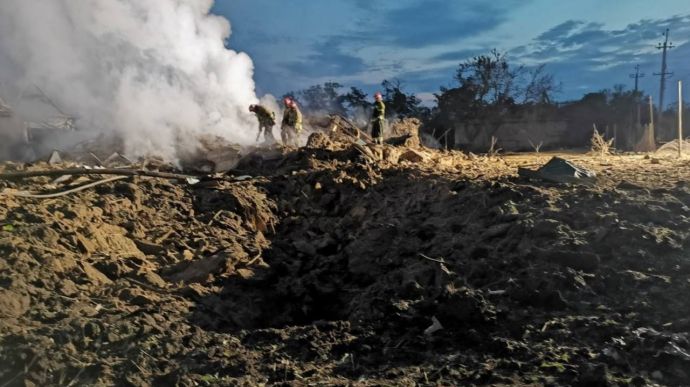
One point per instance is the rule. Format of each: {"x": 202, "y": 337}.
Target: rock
{"x": 84, "y": 244}
{"x": 546, "y": 228}
{"x": 111, "y": 239}
{"x": 94, "y": 275}
{"x": 149, "y": 248}
{"x": 594, "y": 375}
{"x": 461, "y": 306}
{"x": 626, "y": 185}
{"x": 201, "y": 270}
{"x": 584, "y": 261}
{"x": 413, "y": 156}
{"x": 113, "y": 269}
{"x": 406, "y": 140}
{"x": 391, "y": 154}
{"x": 13, "y": 304}
{"x": 68, "y": 288}
{"x": 319, "y": 140}
{"x": 154, "y": 279}
{"x": 139, "y": 297}
{"x": 496, "y": 230}
{"x": 92, "y": 329}
{"x": 305, "y": 247}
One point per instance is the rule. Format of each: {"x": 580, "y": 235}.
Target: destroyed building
{"x": 33, "y": 136}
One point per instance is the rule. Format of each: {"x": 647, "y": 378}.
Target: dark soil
{"x": 325, "y": 269}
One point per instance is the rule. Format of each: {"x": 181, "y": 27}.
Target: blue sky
{"x": 587, "y": 44}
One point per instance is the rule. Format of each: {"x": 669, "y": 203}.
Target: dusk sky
{"x": 587, "y": 45}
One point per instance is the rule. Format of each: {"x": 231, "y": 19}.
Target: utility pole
{"x": 662, "y": 87}
{"x": 680, "y": 119}
{"x": 651, "y": 120}
{"x": 637, "y": 77}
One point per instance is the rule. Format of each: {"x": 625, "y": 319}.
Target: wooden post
{"x": 615, "y": 136}
{"x": 680, "y": 119}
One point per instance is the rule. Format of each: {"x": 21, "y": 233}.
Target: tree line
{"x": 489, "y": 89}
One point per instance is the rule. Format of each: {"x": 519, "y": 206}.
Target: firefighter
{"x": 292, "y": 123}
{"x": 378, "y": 119}
{"x": 267, "y": 119}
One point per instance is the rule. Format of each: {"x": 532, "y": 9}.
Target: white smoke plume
{"x": 156, "y": 72}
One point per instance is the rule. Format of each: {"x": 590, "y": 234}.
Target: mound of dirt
{"x": 323, "y": 266}
{"x": 671, "y": 148}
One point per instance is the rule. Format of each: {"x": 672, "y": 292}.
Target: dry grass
{"x": 600, "y": 145}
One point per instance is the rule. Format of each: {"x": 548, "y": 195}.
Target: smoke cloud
{"x": 154, "y": 72}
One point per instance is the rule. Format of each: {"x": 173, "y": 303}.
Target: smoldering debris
{"x": 149, "y": 72}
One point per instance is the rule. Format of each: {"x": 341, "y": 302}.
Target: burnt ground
{"x": 324, "y": 269}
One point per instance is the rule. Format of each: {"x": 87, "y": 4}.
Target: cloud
{"x": 434, "y": 22}
{"x": 563, "y": 29}
{"x": 328, "y": 59}
{"x": 588, "y": 56}
{"x": 457, "y": 56}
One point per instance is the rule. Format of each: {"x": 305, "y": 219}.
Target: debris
{"x": 559, "y": 170}
{"x": 112, "y": 158}
{"x": 95, "y": 276}
{"x": 88, "y": 171}
{"x": 587, "y": 262}
{"x": 26, "y": 194}
{"x": 434, "y": 327}
{"x": 413, "y": 156}
{"x": 149, "y": 248}
{"x": 328, "y": 251}
{"x": 55, "y": 158}
{"x": 13, "y": 304}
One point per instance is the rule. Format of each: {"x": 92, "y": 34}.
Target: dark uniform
{"x": 378, "y": 119}
{"x": 267, "y": 119}
{"x": 291, "y": 125}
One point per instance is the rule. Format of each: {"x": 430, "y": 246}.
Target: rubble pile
{"x": 342, "y": 263}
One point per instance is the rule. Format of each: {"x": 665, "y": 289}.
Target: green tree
{"x": 356, "y": 99}
{"x": 489, "y": 90}
{"x": 401, "y": 104}
{"x": 323, "y": 98}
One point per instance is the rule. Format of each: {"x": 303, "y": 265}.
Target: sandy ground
{"x": 324, "y": 269}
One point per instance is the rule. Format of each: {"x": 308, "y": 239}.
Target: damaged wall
{"x": 12, "y": 133}
{"x": 512, "y": 135}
